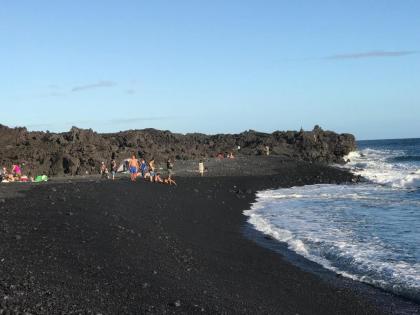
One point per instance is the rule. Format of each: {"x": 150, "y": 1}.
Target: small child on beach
{"x": 152, "y": 169}
{"x": 104, "y": 171}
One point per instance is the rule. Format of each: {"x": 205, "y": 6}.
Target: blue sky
{"x": 212, "y": 66}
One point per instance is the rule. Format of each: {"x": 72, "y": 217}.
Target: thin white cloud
{"x": 99, "y": 84}
{"x": 372, "y": 54}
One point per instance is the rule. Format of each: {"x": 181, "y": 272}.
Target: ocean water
{"x": 369, "y": 232}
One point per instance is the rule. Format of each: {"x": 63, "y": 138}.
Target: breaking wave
{"x": 368, "y": 232}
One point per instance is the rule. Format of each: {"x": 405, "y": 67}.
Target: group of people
{"x": 147, "y": 170}
{"x": 226, "y": 155}
{"x": 104, "y": 170}
{"x": 14, "y": 175}
{"x": 141, "y": 168}
{"x": 136, "y": 168}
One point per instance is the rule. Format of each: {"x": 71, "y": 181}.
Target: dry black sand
{"x": 122, "y": 248}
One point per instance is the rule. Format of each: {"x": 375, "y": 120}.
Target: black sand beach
{"x": 103, "y": 247}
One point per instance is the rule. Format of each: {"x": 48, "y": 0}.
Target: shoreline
{"x": 152, "y": 248}
{"x": 379, "y": 297}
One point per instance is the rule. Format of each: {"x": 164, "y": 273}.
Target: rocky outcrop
{"x": 81, "y": 151}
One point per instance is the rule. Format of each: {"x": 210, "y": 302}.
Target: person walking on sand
{"x": 133, "y": 166}
{"x": 201, "y": 167}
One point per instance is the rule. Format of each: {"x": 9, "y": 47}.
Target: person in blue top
{"x": 144, "y": 168}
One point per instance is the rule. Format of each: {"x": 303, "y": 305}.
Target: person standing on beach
{"x": 113, "y": 168}
{"x": 133, "y": 166}
{"x": 3, "y": 174}
{"x": 170, "y": 167}
{"x": 201, "y": 167}
{"x": 143, "y": 168}
{"x": 152, "y": 168}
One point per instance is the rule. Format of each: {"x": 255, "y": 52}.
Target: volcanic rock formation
{"x": 81, "y": 151}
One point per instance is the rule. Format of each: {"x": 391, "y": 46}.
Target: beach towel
{"x": 41, "y": 178}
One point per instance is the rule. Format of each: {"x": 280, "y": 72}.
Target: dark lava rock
{"x": 81, "y": 151}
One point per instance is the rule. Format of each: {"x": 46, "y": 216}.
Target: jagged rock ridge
{"x": 81, "y": 150}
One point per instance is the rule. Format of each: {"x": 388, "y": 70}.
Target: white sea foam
{"x": 380, "y": 167}
{"x": 369, "y": 232}
{"x": 346, "y": 229}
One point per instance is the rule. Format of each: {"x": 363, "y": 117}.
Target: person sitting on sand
{"x": 24, "y": 178}
{"x": 158, "y": 178}
{"x": 169, "y": 180}
{"x": 16, "y": 171}
{"x": 7, "y": 177}
{"x": 147, "y": 175}
{"x": 133, "y": 166}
